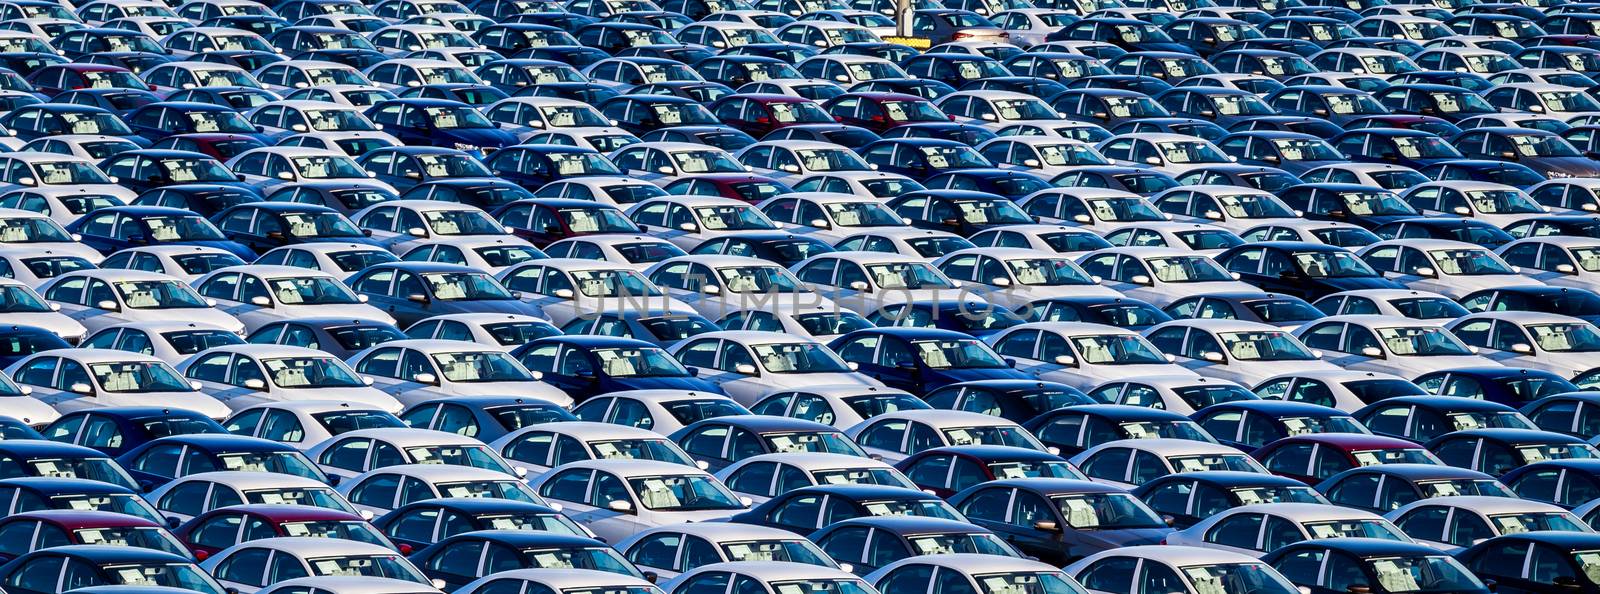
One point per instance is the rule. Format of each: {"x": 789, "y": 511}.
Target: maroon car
{"x": 26, "y": 532}
{"x": 1313, "y": 458}
{"x": 218, "y": 145}
{"x": 879, "y": 112}
{"x": 758, "y": 114}
{"x": 224, "y": 527}
{"x": 748, "y": 187}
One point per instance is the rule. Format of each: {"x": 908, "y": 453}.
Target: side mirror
{"x": 564, "y": 293}
{"x": 1360, "y": 589}
{"x": 1030, "y": 162}
{"x": 285, "y": 176}
{"x": 859, "y": 285}
{"x": 413, "y": 175}
{"x": 108, "y": 305}
{"x": 173, "y": 522}
{"x": 1152, "y": 160}
{"x": 1374, "y": 352}
{"x": 989, "y": 117}
{"x": 1521, "y": 348}
{"x": 820, "y": 224}
{"x": 82, "y": 388}
{"x": 28, "y": 181}
{"x": 298, "y": 127}
{"x": 1001, "y": 282}
{"x": 261, "y": 300}
{"x": 688, "y": 227}
{"x": 417, "y": 232}
{"x": 620, "y": 505}
{"x": 1213, "y": 357}
{"x": 1566, "y": 269}
{"x": 1066, "y": 360}
{"x": 1083, "y": 218}
{"x": 1213, "y": 215}
{"x": 745, "y": 369}
{"x": 1141, "y": 280}
{"x": 1047, "y": 526}
{"x": 1426, "y": 271}
{"x": 711, "y": 290}
{"x": 417, "y": 297}
{"x": 255, "y": 384}
{"x": 427, "y": 378}
{"x": 664, "y": 170}
{"x": 1461, "y": 210}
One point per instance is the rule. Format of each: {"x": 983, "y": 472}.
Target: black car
{"x": 1302, "y": 269}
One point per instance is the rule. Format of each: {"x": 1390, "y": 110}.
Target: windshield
{"x": 826, "y": 324}
{"x": 322, "y": 497}
{"x": 907, "y": 276}
{"x": 310, "y": 372}
{"x": 138, "y": 376}
{"x": 1264, "y": 346}
{"x": 1254, "y": 206}
{"x": 732, "y": 218}
{"x": 556, "y": 523}
{"x": 596, "y": 558}
{"x": 1507, "y": 201}
{"x": 613, "y": 283}
{"x": 798, "y": 357}
{"x": 184, "y": 576}
{"x": 1234, "y": 462}
{"x": 1532, "y": 521}
{"x": 1422, "y": 574}
{"x": 759, "y": 279}
{"x": 385, "y": 566}
{"x": 291, "y": 463}
{"x": 328, "y": 167}
{"x": 1421, "y": 341}
{"x": 1116, "y": 349}
{"x": 180, "y": 228}
{"x": 355, "y": 260}
{"x": 313, "y": 290}
{"x": 1424, "y": 147}
{"x": 1468, "y": 262}
{"x": 1105, "y": 511}
{"x": 1579, "y": 337}
{"x": 1187, "y": 269}
{"x": 1542, "y": 145}
{"x": 20, "y": 299}
{"x": 1376, "y": 203}
{"x": 480, "y": 489}
{"x": 465, "y": 286}
{"x": 482, "y": 366}
{"x": 132, "y": 505}
{"x": 1047, "y": 272}
{"x": 957, "y": 354}
{"x": 355, "y": 530}
{"x": 640, "y": 362}
{"x": 453, "y": 118}
{"x": 144, "y": 537}
{"x": 1254, "y": 577}
{"x": 793, "y": 551}
{"x": 476, "y": 456}
{"x": 94, "y": 469}
{"x": 953, "y": 157}
{"x": 685, "y": 492}
{"x": 1123, "y": 210}
{"x": 32, "y": 230}
{"x": 336, "y": 120}
{"x": 96, "y": 123}
{"x": 861, "y": 214}
{"x": 1354, "y": 529}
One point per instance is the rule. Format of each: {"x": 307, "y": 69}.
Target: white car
{"x": 77, "y": 379}
{"x": 1401, "y": 346}
{"x": 1184, "y": 570}
{"x": 347, "y": 585}
{"x": 550, "y": 579}
{"x": 1454, "y": 523}
{"x": 664, "y": 162}
{"x": 605, "y": 189}
{"x": 371, "y": 493}
{"x": 192, "y": 495}
{"x": 171, "y": 341}
{"x": 763, "y": 477}
{"x": 828, "y": 216}
{"x": 1240, "y": 529}
{"x": 1072, "y": 242}
{"x": 771, "y": 576}
{"x": 875, "y": 184}
{"x": 402, "y": 224}
{"x": 305, "y": 423}
{"x": 864, "y": 282}
{"x": 1183, "y": 394}
{"x": 789, "y": 161}
{"x": 64, "y": 204}
{"x": 1496, "y": 204}
{"x": 638, "y": 252}
{"x": 1395, "y": 178}
{"x": 355, "y": 452}
{"x": 269, "y": 168}
{"x": 245, "y": 375}
{"x": 311, "y": 556}
{"x": 542, "y": 446}
{"x": 997, "y": 109}
{"x": 1343, "y": 389}
{"x": 1239, "y": 351}
{"x": 906, "y": 241}
{"x": 661, "y": 411}
{"x": 338, "y": 259}
{"x": 1113, "y": 463}
{"x": 1563, "y": 345}
{"x": 632, "y": 495}
{"x": 688, "y": 221}
{"x": 17, "y": 405}
{"x": 1101, "y": 210}
{"x": 1229, "y": 207}
{"x": 490, "y": 254}
{"x": 565, "y": 289}
{"x": 416, "y": 371}
{"x": 100, "y": 298}
{"x": 526, "y": 116}
{"x": 1081, "y": 354}
{"x": 1161, "y": 275}
{"x": 1010, "y": 277}
{"x": 821, "y": 323}
{"x": 35, "y": 231}
{"x": 22, "y": 305}
{"x": 894, "y": 436}
{"x": 261, "y": 294}
{"x": 729, "y": 542}
{"x": 507, "y": 331}
{"x": 1333, "y": 233}
{"x": 1172, "y": 154}
{"x": 1450, "y": 268}
{"x": 716, "y": 285}
{"x": 750, "y": 364}
{"x": 35, "y": 267}
{"x": 1045, "y": 156}
{"x": 1202, "y": 238}
{"x": 1405, "y": 303}
{"x": 841, "y": 406}
{"x": 1557, "y": 260}
{"x": 186, "y": 262}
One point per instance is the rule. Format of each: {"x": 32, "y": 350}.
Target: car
{"x": 1504, "y": 337}
{"x": 800, "y": 510}
{"x": 36, "y": 530}
{"x": 1284, "y": 311}
{"x": 414, "y": 525}
{"x": 840, "y": 405}
{"x": 1506, "y": 385}
{"x": 1216, "y": 491}
{"x": 663, "y": 411}
{"x": 1314, "y": 458}
{"x": 116, "y": 430}
{"x": 654, "y": 549}
{"x": 1291, "y": 523}
{"x": 301, "y": 556}
{"x": 1240, "y": 351}
{"x": 522, "y": 549}
{"x": 102, "y": 565}
{"x": 1390, "y": 344}
{"x": 74, "y": 379}
{"x": 1132, "y": 462}
{"x": 260, "y": 294}
{"x": 1186, "y": 569}
{"x": 916, "y": 359}
{"x": 1369, "y": 561}
{"x": 541, "y": 446}
{"x": 1306, "y": 270}
{"x": 905, "y": 538}
{"x": 1457, "y": 522}
{"x": 1406, "y": 303}
{"x": 1341, "y": 389}
{"x": 220, "y": 529}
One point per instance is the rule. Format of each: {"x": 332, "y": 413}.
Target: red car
{"x": 881, "y": 111}
{"x": 748, "y": 187}
{"x": 757, "y": 114}
{"x": 218, "y": 145}
{"x": 26, "y": 532}
{"x": 1313, "y": 458}
{"x": 220, "y": 528}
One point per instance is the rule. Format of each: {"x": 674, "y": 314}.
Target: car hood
{"x": 1123, "y": 537}
{"x": 665, "y": 383}
{"x": 362, "y": 395}
{"x": 475, "y": 138}
{"x": 67, "y": 328}
{"x": 1354, "y": 283}
{"x": 1573, "y": 166}
{"x": 970, "y": 375}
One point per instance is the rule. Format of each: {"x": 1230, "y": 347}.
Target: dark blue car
{"x": 809, "y": 509}
{"x": 582, "y": 374}
{"x": 965, "y": 358}
{"x": 22, "y": 341}
{"x": 1189, "y": 497}
{"x": 1302, "y": 269}
{"x": 1250, "y": 424}
{"x": 1512, "y": 386}
{"x": 707, "y": 440}
{"x": 158, "y": 462}
{"x": 522, "y": 549}
{"x": 262, "y": 226}
{"x": 104, "y": 565}
{"x": 412, "y": 524}
{"x": 110, "y": 230}
{"x": 440, "y": 122}
{"x": 117, "y": 429}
